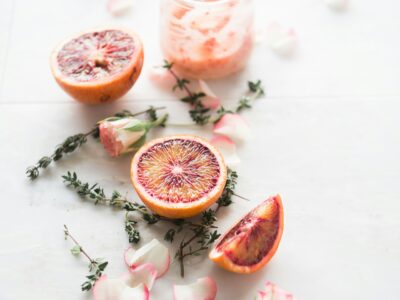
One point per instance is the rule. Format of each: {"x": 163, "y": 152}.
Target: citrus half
{"x": 252, "y": 242}
{"x": 98, "y": 66}
{"x": 178, "y": 176}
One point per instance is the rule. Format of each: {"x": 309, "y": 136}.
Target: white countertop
{"x": 326, "y": 138}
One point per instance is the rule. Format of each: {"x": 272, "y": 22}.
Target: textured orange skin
{"x": 223, "y": 261}
{"x": 102, "y": 91}
{"x": 191, "y": 209}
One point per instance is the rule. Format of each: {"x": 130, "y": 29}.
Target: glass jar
{"x": 207, "y": 39}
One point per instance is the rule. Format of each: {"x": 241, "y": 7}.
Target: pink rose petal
{"x": 161, "y": 77}
{"x": 153, "y": 252}
{"x": 273, "y": 292}
{"x": 202, "y": 289}
{"x": 145, "y": 274}
{"x": 116, "y": 289}
{"x": 232, "y": 126}
{"x": 227, "y": 148}
{"x": 210, "y": 100}
{"x": 281, "y": 40}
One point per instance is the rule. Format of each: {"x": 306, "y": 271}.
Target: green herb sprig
{"x": 96, "y": 266}
{"x": 203, "y": 231}
{"x": 202, "y": 115}
{"x": 72, "y": 143}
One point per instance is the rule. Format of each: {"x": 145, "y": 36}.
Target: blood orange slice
{"x": 178, "y": 176}
{"x": 98, "y": 66}
{"x": 252, "y": 242}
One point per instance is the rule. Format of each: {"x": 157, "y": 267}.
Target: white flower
{"x": 232, "y": 126}
{"x": 202, "y": 289}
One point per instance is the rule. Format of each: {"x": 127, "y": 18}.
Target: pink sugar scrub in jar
{"x": 207, "y": 39}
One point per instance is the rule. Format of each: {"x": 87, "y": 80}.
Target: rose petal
{"x": 161, "y": 77}
{"x": 203, "y": 289}
{"x": 145, "y": 274}
{"x": 227, "y": 148}
{"x": 273, "y": 292}
{"x": 232, "y": 126}
{"x": 210, "y": 100}
{"x": 282, "y": 41}
{"x": 337, "y": 4}
{"x": 119, "y": 7}
{"x": 139, "y": 292}
{"x": 153, "y": 252}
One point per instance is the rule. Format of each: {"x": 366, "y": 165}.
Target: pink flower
{"x": 232, "y": 126}
{"x": 210, "y": 100}
{"x": 273, "y": 292}
{"x": 227, "y": 148}
{"x": 123, "y": 135}
{"x": 202, "y": 289}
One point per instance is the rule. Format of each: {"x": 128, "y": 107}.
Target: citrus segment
{"x": 98, "y": 66}
{"x": 251, "y": 243}
{"x": 178, "y": 176}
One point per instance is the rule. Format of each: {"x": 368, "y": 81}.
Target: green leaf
{"x": 76, "y": 250}
{"x": 135, "y": 126}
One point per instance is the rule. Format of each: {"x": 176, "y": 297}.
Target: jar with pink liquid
{"x": 207, "y": 39}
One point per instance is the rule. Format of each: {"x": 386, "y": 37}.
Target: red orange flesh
{"x": 178, "y": 176}
{"x": 98, "y": 66}
{"x": 252, "y": 242}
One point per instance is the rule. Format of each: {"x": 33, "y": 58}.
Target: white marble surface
{"x": 326, "y": 138}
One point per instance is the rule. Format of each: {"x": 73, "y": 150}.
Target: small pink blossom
{"x": 161, "y": 77}
{"x": 281, "y": 40}
{"x": 232, "y": 126}
{"x": 210, "y": 100}
{"x": 227, "y": 148}
{"x": 202, "y": 289}
{"x": 273, "y": 292}
{"x": 123, "y": 135}
{"x": 112, "y": 289}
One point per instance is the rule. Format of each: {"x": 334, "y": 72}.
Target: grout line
{"x": 342, "y": 97}
{"x": 4, "y": 65}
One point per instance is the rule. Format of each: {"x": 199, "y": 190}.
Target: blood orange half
{"x": 98, "y": 66}
{"x": 252, "y": 242}
{"x": 178, "y": 176}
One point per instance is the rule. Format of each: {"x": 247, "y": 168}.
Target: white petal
{"x": 337, "y": 4}
{"x": 227, "y": 148}
{"x": 119, "y": 7}
{"x": 273, "y": 292}
{"x": 161, "y": 77}
{"x": 108, "y": 289}
{"x": 202, "y": 289}
{"x": 153, "y": 252}
{"x": 233, "y": 126}
{"x": 282, "y": 41}
{"x": 145, "y": 274}
{"x": 210, "y": 100}
{"x": 139, "y": 292}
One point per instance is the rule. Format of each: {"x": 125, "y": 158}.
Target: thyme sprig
{"x": 202, "y": 230}
{"x": 199, "y": 114}
{"x": 72, "y": 143}
{"x": 96, "y": 266}
{"x": 97, "y": 195}
{"x": 202, "y": 115}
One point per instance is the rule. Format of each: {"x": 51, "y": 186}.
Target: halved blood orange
{"x": 178, "y": 176}
{"x": 252, "y": 242}
{"x": 98, "y": 66}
